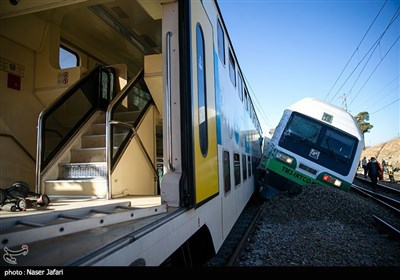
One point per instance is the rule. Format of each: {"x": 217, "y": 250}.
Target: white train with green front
{"x": 315, "y": 143}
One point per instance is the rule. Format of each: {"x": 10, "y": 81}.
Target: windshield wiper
{"x": 331, "y": 151}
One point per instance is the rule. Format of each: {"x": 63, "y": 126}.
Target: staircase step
{"x": 100, "y": 129}
{"x": 88, "y": 155}
{"x": 94, "y": 141}
{"x": 82, "y": 187}
{"x": 101, "y": 118}
{"x": 82, "y": 170}
{"x": 127, "y": 116}
{"x": 99, "y": 141}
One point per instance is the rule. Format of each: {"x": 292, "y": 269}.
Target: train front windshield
{"x": 320, "y": 143}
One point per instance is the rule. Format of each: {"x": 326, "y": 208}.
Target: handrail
{"x": 39, "y": 151}
{"x": 168, "y": 102}
{"x": 19, "y": 144}
{"x": 122, "y": 94}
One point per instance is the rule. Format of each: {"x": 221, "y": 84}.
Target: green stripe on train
{"x": 301, "y": 178}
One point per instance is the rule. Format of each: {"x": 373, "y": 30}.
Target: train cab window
{"x": 236, "y": 168}
{"x": 240, "y": 86}
{"x": 227, "y": 171}
{"x": 303, "y": 128}
{"x": 244, "y": 167}
{"x": 68, "y": 58}
{"x": 201, "y": 91}
{"x": 232, "y": 69}
{"x": 339, "y": 143}
{"x": 221, "y": 43}
{"x": 249, "y": 165}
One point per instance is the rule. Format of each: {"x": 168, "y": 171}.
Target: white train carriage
{"x": 314, "y": 143}
{"x": 146, "y": 139}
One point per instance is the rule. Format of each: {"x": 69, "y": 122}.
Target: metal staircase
{"x": 83, "y": 137}
{"x": 88, "y": 167}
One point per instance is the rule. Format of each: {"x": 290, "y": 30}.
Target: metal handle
{"x": 168, "y": 102}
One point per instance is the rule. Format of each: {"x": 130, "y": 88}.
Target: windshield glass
{"x": 338, "y": 143}
{"x": 304, "y": 128}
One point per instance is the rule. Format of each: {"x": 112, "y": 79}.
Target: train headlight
{"x": 332, "y": 180}
{"x": 284, "y": 158}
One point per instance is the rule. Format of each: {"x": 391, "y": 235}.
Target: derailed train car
{"x": 315, "y": 143}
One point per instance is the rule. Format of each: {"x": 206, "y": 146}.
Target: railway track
{"x": 239, "y": 234}
{"x": 387, "y": 201}
{"x": 385, "y": 195}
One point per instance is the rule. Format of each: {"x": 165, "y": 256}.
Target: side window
{"x": 227, "y": 172}
{"x": 221, "y": 43}
{"x": 249, "y": 165}
{"x": 244, "y": 167}
{"x": 240, "y": 86}
{"x": 201, "y": 90}
{"x": 246, "y": 94}
{"x": 232, "y": 69}
{"x": 236, "y": 166}
{"x": 68, "y": 58}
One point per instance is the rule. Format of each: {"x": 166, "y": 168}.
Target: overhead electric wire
{"x": 385, "y": 106}
{"x": 262, "y": 113}
{"x": 384, "y": 97}
{"x": 374, "y": 101}
{"x": 375, "y": 69}
{"x": 395, "y": 16}
{"x": 362, "y": 70}
{"x": 355, "y": 51}
{"x": 368, "y": 101}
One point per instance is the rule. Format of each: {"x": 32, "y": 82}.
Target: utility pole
{"x": 344, "y": 100}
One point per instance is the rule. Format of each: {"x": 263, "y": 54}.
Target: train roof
{"x": 316, "y": 108}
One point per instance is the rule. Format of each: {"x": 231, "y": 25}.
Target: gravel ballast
{"x": 321, "y": 227}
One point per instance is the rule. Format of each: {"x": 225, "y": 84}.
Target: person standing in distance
{"x": 373, "y": 170}
{"x": 364, "y": 166}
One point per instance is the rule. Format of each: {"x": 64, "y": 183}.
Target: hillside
{"x": 389, "y": 151}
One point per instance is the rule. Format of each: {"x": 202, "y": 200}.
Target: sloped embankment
{"x": 389, "y": 151}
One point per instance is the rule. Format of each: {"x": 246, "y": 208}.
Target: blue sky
{"x": 288, "y": 50}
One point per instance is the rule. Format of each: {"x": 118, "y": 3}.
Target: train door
{"x": 203, "y": 105}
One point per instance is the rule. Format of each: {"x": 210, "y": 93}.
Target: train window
{"x": 232, "y": 69}
{"x": 240, "y": 86}
{"x": 246, "y": 94}
{"x": 244, "y": 167}
{"x": 249, "y": 164}
{"x": 201, "y": 91}
{"x": 68, "y": 58}
{"x": 227, "y": 171}
{"x": 303, "y": 128}
{"x": 338, "y": 143}
{"x": 236, "y": 168}
{"x": 221, "y": 43}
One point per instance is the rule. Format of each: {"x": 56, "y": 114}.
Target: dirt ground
{"x": 390, "y": 151}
